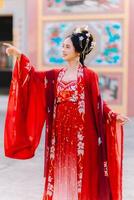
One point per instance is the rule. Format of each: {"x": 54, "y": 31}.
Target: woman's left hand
{"x": 122, "y": 119}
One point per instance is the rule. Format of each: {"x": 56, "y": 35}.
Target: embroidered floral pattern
{"x": 50, "y": 182}
{"x": 69, "y": 112}
{"x": 80, "y": 144}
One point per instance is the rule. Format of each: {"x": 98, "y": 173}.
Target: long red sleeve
{"x": 26, "y": 111}
{"x": 114, "y": 143}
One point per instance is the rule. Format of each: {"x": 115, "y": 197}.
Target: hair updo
{"x": 83, "y": 42}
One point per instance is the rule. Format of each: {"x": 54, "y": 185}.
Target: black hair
{"x": 83, "y": 43}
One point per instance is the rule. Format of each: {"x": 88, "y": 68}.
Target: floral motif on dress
{"x": 74, "y": 92}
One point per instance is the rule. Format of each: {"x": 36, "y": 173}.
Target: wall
{"x": 33, "y": 47}
{"x": 131, "y": 61}
{"x": 32, "y": 28}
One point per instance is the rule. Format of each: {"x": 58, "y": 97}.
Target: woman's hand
{"x": 12, "y": 50}
{"x": 122, "y": 119}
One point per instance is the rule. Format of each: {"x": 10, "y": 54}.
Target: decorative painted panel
{"x": 111, "y": 87}
{"x": 82, "y": 6}
{"x": 108, "y": 35}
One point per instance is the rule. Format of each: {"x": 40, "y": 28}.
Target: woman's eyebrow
{"x": 68, "y": 45}
{"x": 63, "y": 44}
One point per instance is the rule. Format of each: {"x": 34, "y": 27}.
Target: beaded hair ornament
{"x": 86, "y": 50}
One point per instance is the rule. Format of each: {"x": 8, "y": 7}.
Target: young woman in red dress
{"x": 84, "y": 138}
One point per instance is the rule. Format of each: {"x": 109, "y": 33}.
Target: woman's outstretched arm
{"x": 26, "y": 110}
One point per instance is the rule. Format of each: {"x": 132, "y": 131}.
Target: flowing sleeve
{"x": 26, "y": 111}
{"x": 114, "y": 139}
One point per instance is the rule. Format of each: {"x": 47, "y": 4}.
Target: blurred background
{"x": 37, "y": 28}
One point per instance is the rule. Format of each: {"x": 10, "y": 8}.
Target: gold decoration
{"x": 81, "y": 29}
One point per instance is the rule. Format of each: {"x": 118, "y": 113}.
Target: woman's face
{"x": 68, "y": 50}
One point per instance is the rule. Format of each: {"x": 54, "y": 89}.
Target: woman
{"x": 83, "y": 143}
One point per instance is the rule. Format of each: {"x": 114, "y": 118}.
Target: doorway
{"x": 6, "y": 35}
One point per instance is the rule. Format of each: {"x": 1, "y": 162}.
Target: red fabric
{"x": 67, "y": 124}
{"x": 115, "y": 137}
{"x": 27, "y": 111}
{"x": 66, "y": 167}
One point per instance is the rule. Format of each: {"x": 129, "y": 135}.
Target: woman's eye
{"x": 65, "y": 46}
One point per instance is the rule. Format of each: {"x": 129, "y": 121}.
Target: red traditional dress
{"x": 83, "y": 148}
{"x": 64, "y": 180}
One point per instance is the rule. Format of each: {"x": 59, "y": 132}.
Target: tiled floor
{"x": 23, "y": 180}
